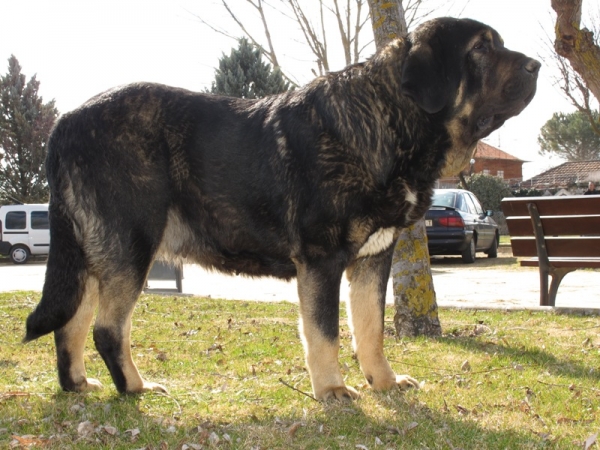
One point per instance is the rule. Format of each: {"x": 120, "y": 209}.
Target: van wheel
{"x": 19, "y": 254}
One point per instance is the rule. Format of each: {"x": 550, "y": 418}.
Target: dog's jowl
{"x": 308, "y": 184}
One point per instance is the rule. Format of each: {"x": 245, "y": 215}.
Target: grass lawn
{"x": 236, "y": 375}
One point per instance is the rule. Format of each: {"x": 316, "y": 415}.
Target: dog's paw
{"x": 147, "y": 386}
{"x": 89, "y": 384}
{"x": 393, "y": 381}
{"x": 405, "y": 382}
{"x": 154, "y": 387}
{"x": 338, "y": 393}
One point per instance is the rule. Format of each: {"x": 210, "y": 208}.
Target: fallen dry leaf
{"x": 214, "y": 439}
{"x": 293, "y": 429}
{"x": 28, "y": 441}
{"x": 110, "y": 430}
{"x": 86, "y": 428}
{"x": 590, "y": 441}
{"x": 134, "y": 432}
{"x": 410, "y": 426}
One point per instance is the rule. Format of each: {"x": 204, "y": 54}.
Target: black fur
{"x": 109, "y": 347}
{"x": 269, "y": 187}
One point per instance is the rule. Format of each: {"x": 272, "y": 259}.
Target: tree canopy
{"x": 570, "y": 136}
{"x": 489, "y": 190}
{"x": 244, "y": 74}
{"x": 25, "y": 124}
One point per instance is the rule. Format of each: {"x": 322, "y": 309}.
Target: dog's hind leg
{"x": 318, "y": 291}
{"x": 68, "y": 303}
{"x": 70, "y": 343}
{"x": 368, "y": 278}
{"x": 119, "y": 291}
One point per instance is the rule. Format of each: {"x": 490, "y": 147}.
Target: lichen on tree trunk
{"x": 414, "y": 295}
{"x": 577, "y": 44}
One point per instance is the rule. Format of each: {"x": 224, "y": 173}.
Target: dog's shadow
{"x": 392, "y": 418}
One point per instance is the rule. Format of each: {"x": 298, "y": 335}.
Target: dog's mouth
{"x": 492, "y": 120}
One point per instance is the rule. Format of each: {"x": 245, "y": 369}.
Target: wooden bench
{"x": 560, "y": 234}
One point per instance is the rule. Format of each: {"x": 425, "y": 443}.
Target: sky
{"x": 78, "y": 48}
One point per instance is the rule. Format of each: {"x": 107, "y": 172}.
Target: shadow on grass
{"x": 401, "y": 421}
{"x": 533, "y": 356}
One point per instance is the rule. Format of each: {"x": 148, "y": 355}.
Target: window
{"x": 39, "y": 220}
{"x": 486, "y": 171}
{"x": 15, "y": 220}
{"x": 446, "y": 199}
{"x": 469, "y": 203}
{"x": 500, "y": 174}
{"x": 475, "y": 202}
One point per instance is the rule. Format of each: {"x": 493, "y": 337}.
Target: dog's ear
{"x": 424, "y": 78}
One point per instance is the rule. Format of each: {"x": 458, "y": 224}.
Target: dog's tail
{"x": 66, "y": 268}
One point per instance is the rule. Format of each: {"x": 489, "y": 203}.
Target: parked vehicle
{"x": 457, "y": 225}
{"x": 24, "y": 231}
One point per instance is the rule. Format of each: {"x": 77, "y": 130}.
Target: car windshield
{"x": 446, "y": 199}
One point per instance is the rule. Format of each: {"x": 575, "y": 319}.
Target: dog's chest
{"x": 377, "y": 242}
{"x": 409, "y": 208}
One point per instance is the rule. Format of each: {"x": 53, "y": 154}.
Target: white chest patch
{"x": 411, "y": 197}
{"x": 377, "y": 242}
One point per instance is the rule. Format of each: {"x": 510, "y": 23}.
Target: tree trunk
{"x": 388, "y": 20}
{"x": 414, "y": 295}
{"x": 576, "y": 44}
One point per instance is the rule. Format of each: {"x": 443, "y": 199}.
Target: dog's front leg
{"x": 368, "y": 278}
{"x": 319, "y": 293}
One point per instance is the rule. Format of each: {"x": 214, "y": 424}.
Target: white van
{"x": 24, "y": 231}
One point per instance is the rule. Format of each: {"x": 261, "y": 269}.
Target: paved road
{"x": 481, "y": 285}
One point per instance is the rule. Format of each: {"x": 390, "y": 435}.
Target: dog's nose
{"x": 531, "y": 65}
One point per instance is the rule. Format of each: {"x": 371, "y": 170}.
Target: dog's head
{"x": 459, "y": 68}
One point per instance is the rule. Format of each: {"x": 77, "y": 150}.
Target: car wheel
{"x": 19, "y": 254}
{"x": 493, "y": 250}
{"x": 468, "y": 254}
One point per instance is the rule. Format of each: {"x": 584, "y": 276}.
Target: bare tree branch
{"x": 570, "y": 82}
{"x": 342, "y": 30}
{"x": 317, "y": 46}
{"x": 267, "y": 32}
{"x": 350, "y": 16}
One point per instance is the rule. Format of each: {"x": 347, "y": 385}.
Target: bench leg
{"x": 548, "y": 294}
{"x": 544, "y": 273}
{"x": 557, "y": 276}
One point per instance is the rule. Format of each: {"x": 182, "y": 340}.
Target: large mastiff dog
{"x": 306, "y": 184}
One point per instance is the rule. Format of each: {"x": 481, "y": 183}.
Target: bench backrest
{"x": 568, "y": 225}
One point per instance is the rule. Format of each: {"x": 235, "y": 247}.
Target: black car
{"x": 457, "y": 225}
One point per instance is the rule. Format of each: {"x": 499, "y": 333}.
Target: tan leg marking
{"x": 366, "y": 323}
{"x": 111, "y": 314}
{"x": 135, "y": 383}
{"x": 76, "y": 331}
{"x": 321, "y": 352}
{"x": 322, "y": 361}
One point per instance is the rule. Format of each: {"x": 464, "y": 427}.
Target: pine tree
{"x": 25, "y": 124}
{"x": 571, "y": 136}
{"x": 243, "y": 74}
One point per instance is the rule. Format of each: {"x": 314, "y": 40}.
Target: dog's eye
{"x": 485, "y": 122}
{"x": 481, "y": 46}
